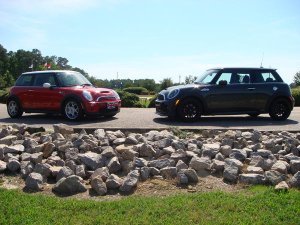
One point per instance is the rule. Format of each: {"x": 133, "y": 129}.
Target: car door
{"x": 230, "y": 92}
{"x": 45, "y": 98}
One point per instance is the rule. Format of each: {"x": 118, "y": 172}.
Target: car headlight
{"x": 116, "y": 95}
{"x": 87, "y": 95}
{"x": 173, "y": 93}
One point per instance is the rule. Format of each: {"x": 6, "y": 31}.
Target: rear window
{"x": 24, "y": 80}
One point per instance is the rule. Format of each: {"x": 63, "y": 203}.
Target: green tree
{"x": 190, "y": 79}
{"x": 165, "y": 83}
{"x": 297, "y": 79}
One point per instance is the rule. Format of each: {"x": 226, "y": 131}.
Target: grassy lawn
{"x": 258, "y": 205}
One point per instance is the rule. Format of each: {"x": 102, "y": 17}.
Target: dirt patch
{"x": 151, "y": 187}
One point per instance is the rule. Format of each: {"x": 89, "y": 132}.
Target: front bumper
{"x": 165, "y": 108}
{"x": 102, "y": 108}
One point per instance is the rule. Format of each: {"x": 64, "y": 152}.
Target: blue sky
{"x": 157, "y": 39}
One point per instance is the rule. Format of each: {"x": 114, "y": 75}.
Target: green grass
{"x": 259, "y": 205}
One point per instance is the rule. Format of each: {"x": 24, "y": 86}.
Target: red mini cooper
{"x": 60, "y": 91}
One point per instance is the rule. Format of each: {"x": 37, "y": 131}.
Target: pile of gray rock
{"x": 115, "y": 161}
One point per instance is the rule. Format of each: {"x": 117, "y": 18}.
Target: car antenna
{"x": 262, "y": 60}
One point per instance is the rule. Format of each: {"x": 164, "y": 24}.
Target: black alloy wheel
{"x": 189, "y": 110}
{"x": 280, "y": 110}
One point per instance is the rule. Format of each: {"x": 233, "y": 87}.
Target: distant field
{"x": 258, "y": 205}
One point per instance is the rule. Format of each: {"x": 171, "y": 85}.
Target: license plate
{"x": 111, "y": 105}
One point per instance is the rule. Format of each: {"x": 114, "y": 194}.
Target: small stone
{"x": 64, "y": 172}
{"x": 295, "y": 180}
{"x": 161, "y": 163}
{"x": 14, "y": 149}
{"x": 13, "y": 165}
{"x": 274, "y": 177}
{"x": 63, "y": 129}
{"x": 181, "y": 165}
{"x": 114, "y": 165}
{"x": 80, "y": 171}
{"x": 43, "y": 169}
{"x": 210, "y": 150}
{"x": 282, "y": 186}
{"x": 226, "y": 150}
{"x": 169, "y": 172}
{"x": 36, "y": 157}
{"x": 108, "y": 152}
{"x": 145, "y": 173}
{"x": 91, "y": 160}
{"x": 2, "y": 166}
{"x": 182, "y": 178}
{"x": 255, "y": 170}
{"x": 191, "y": 175}
{"x": 280, "y": 166}
{"x": 48, "y": 148}
{"x": 295, "y": 166}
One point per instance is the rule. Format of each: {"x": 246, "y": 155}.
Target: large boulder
{"x": 130, "y": 182}
{"x": 113, "y": 182}
{"x": 64, "y": 172}
{"x": 13, "y": 165}
{"x": 102, "y": 172}
{"x": 274, "y": 177}
{"x": 210, "y": 150}
{"x": 231, "y": 173}
{"x": 295, "y": 180}
{"x": 14, "y": 149}
{"x": 202, "y": 163}
{"x": 252, "y": 178}
{"x": 191, "y": 175}
{"x": 69, "y": 185}
{"x": 92, "y": 160}
{"x": 114, "y": 165}
{"x": 168, "y": 172}
{"x": 295, "y": 166}
{"x": 161, "y": 163}
{"x": 34, "y": 181}
{"x": 99, "y": 186}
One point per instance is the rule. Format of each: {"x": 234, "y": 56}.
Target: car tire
{"x": 279, "y": 109}
{"x": 72, "y": 110}
{"x": 189, "y": 110}
{"x": 14, "y": 109}
{"x": 254, "y": 115}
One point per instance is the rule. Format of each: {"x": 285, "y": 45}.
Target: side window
{"x": 244, "y": 78}
{"x": 268, "y": 77}
{"x": 224, "y": 77}
{"x": 40, "y": 79}
{"x": 263, "y": 77}
{"x": 24, "y": 80}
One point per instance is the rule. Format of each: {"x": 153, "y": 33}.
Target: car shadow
{"x": 50, "y": 119}
{"x": 226, "y": 121}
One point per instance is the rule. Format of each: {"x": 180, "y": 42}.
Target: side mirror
{"x": 223, "y": 82}
{"x": 46, "y": 85}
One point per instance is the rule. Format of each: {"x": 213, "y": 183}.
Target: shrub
{"x": 152, "y": 102}
{"x": 3, "y": 96}
{"x": 129, "y": 99}
{"x": 296, "y": 95}
{"x": 137, "y": 90}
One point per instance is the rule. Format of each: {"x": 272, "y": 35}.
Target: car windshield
{"x": 68, "y": 79}
{"x": 207, "y": 77}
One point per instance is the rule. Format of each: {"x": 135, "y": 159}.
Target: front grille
{"x": 106, "y": 98}
{"x": 160, "y": 97}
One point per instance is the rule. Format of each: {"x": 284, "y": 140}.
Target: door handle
{"x": 251, "y": 89}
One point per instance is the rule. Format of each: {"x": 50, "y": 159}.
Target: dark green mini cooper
{"x": 252, "y": 91}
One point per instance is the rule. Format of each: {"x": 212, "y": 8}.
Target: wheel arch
{"x": 278, "y": 97}
{"x": 69, "y": 97}
{"x": 197, "y": 98}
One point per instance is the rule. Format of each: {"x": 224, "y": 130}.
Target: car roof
{"x": 50, "y": 71}
{"x": 242, "y": 68}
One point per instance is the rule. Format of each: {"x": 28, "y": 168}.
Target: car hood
{"x": 97, "y": 91}
{"x": 186, "y": 86}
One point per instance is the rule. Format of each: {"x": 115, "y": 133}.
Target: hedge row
{"x": 296, "y": 95}
{"x": 137, "y": 90}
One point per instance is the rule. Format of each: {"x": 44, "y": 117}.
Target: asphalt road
{"x": 136, "y": 118}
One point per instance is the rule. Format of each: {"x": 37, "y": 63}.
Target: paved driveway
{"x": 136, "y": 118}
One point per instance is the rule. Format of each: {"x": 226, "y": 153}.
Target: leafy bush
{"x": 137, "y": 90}
{"x": 296, "y": 95}
{"x": 3, "y": 95}
{"x": 152, "y": 102}
{"x": 129, "y": 99}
